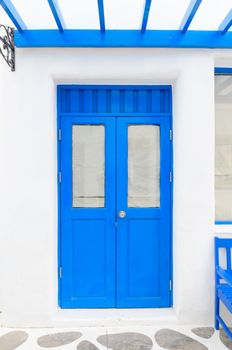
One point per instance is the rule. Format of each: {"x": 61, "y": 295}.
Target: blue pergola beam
{"x": 189, "y": 15}
{"x": 13, "y": 14}
{"x": 54, "y": 6}
{"x": 101, "y": 15}
{"x": 124, "y": 38}
{"x": 226, "y": 23}
{"x": 145, "y": 15}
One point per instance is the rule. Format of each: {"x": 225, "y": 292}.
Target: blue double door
{"x": 115, "y": 212}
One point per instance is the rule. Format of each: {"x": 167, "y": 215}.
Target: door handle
{"x": 122, "y": 214}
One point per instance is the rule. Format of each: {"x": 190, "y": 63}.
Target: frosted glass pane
{"x": 143, "y": 166}
{"x": 223, "y": 151}
{"x": 88, "y": 166}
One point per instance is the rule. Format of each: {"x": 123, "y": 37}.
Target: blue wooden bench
{"x": 223, "y": 282}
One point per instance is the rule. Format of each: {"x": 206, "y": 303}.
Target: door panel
{"x": 143, "y": 235}
{"x": 88, "y": 212}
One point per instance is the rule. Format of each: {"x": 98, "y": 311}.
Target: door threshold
{"x": 114, "y": 317}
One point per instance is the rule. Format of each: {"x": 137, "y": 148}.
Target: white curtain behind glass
{"x": 223, "y": 150}
{"x": 143, "y": 166}
{"x": 88, "y": 165}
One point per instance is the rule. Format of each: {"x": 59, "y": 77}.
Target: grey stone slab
{"x": 86, "y": 345}
{"x": 12, "y": 340}
{"x": 58, "y": 339}
{"x": 204, "y": 332}
{"x": 225, "y": 339}
{"x": 126, "y": 341}
{"x": 172, "y": 340}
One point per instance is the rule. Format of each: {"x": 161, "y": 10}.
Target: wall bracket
{"x": 7, "y": 46}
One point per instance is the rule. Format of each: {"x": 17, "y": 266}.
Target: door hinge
{"x": 170, "y": 135}
{"x": 170, "y": 176}
{"x": 59, "y": 177}
{"x": 59, "y": 135}
{"x": 60, "y": 271}
{"x": 170, "y": 285}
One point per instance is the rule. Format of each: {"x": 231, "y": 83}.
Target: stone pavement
{"x": 100, "y": 338}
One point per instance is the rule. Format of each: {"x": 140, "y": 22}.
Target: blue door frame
{"x": 115, "y": 107}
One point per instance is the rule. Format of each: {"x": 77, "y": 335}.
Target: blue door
{"x": 115, "y": 206}
{"x": 143, "y": 209}
{"x": 88, "y": 241}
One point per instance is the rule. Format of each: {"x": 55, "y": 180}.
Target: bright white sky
{"x": 120, "y": 14}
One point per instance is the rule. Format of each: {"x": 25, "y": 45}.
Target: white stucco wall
{"x": 28, "y": 179}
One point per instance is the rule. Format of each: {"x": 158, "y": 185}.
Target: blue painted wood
{"x": 223, "y": 222}
{"x": 87, "y": 234}
{"x": 225, "y": 273}
{"x": 145, "y": 15}
{"x": 124, "y": 38}
{"x": 54, "y": 6}
{"x": 171, "y": 204}
{"x": 13, "y": 14}
{"x": 139, "y": 100}
{"x": 121, "y": 114}
{"x": 144, "y": 235}
{"x": 226, "y": 23}
{"x": 217, "y": 280}
{"x": 222, "y": 243}
{"x": 223, "y": 70}
{"x": 228, "y": 260}
{"x": 82, "y": 283}
{"x": 223, "y": 281}
{"x": 189, "y": 14}
{"x": 58, "y": 106}
{"x": 101, "y": 15}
